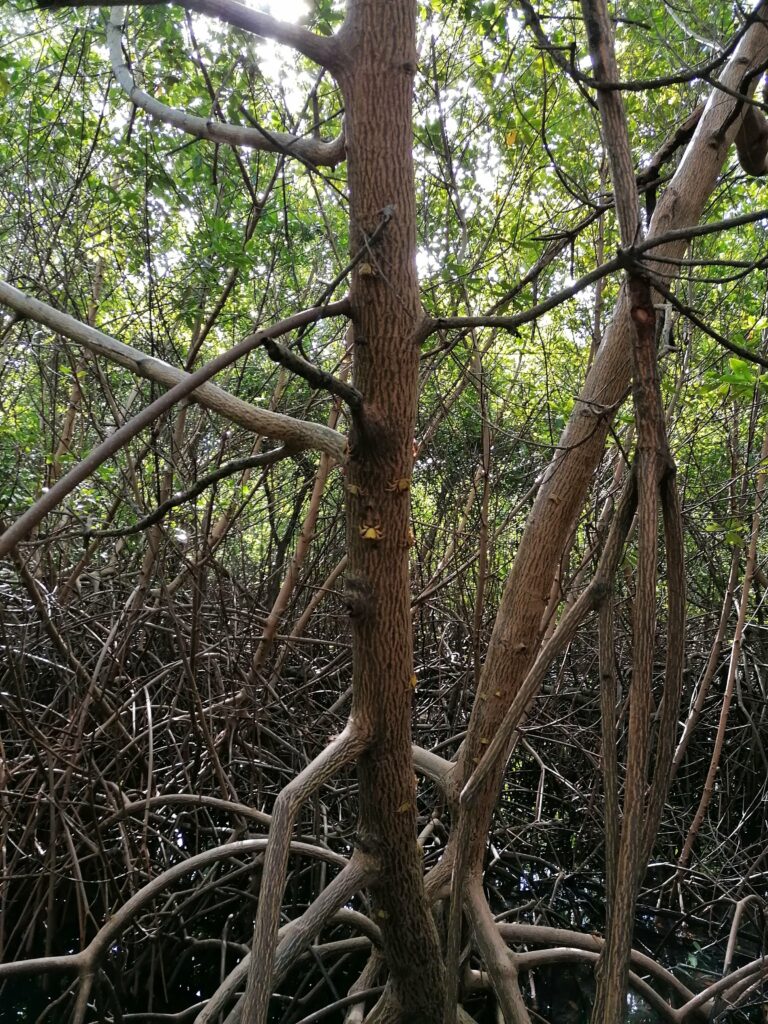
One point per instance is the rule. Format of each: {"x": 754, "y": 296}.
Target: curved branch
{"x": 500, "y": 962}
{"x": 321, "y": 49}
{"x": 564, "y": 954}
{"x": 259, "y": 421}
{"x": 197, "y": 488}
{"x": 314, "y": 375}
{"x": 543, "y": 934}
{"x": 193, "y": 799}
{"x": 431, "y": 765}
{"x": 718, "y": 988}
{"x": 86, "y": 961}
{"x": 309, "y": 150}
{"x": 304, "y": 434}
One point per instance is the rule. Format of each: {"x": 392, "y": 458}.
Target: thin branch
{"x": 590, "y": 599}
{"x": 200, "y": 485}
{"x": 702, "y": 71}
{"x": 681, "y": 136}
{"x": 386, "y": 215}
{"x": 295, "y": 936}
{"x": 623, "y": 260}
{"x": 182, "y": 799}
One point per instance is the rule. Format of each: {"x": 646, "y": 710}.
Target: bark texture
{"x": 379, "y": 38}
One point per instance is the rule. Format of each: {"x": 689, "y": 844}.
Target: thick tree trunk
{"x": 379, "y": 39}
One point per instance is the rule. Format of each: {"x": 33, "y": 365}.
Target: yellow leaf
{"x": 511, "y": 137}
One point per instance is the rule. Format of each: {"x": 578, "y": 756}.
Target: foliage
{"x": 181, "y": 248}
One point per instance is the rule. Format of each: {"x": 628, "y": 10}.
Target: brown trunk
{"x": 516, "y": 635}
{"x": 377, "y": 84}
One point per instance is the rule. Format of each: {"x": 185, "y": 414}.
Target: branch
{"x": 701, "y": 71}
{"x": 200, "y": 485}
{"x": 321, "y": 49}
{"x": 259, "y": 421}
{"x": 306, "y": 434}
{"x": 297, "y": 935}
{"x": 564, "y": 954}
{"x": 386, "y": 215}
{"x": 501, "y": 966}
{"x": 529, "y": 934}
{"x": 755, "y": 967}
{"x": 183, "y": 799}
{"x": 87, "y": 959}
{"x": 622, "y": 261}
{"x": 681, "y": 136}
{"x": 347, "y": 746}
{"x": 313, "y": 374}
{"x": 431, "y": 765}
{"x": 309, "y": 150}
{"x": 590, "y": 598}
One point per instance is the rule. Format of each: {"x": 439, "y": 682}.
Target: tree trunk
{"x": 517, "y": 631}
{"x": 379, "y": 41}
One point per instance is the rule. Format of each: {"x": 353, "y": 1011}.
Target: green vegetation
{"x": 164, "y": 677}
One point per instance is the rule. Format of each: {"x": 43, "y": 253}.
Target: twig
{"x": 228, "y": 469}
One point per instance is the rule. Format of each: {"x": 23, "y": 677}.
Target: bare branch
{"x": 260, "y": 421}
{"x": 200, "y": 485}
{"x": 308, "y": 149}
{"x": 588, "y": 600}
{"x": 686, "y": 311}
{"x": 702, "y": 71}
{"x": 321, "y": 49}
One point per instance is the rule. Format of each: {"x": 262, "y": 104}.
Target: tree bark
{"x": 379, "y": 39}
